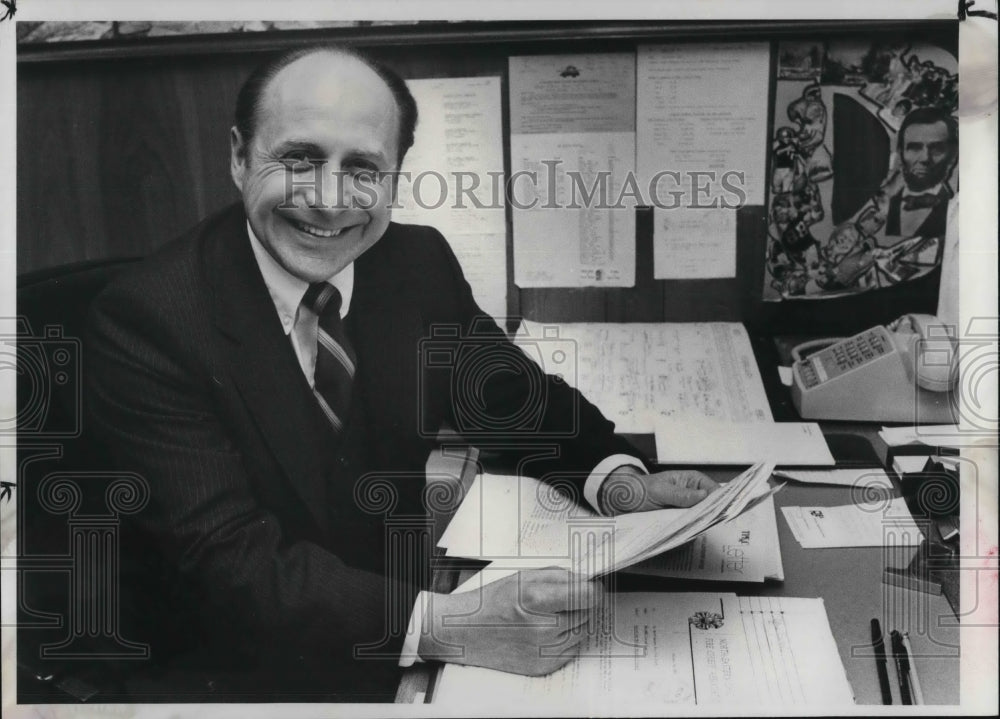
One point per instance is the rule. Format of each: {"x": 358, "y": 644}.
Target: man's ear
{"x": 237, "y": 157}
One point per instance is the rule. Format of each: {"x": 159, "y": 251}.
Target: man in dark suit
{"x": 927, "y": 144}
{"x": 264, "y": 375}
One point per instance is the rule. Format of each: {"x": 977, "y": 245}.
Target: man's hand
{"x": 529, "y": 623}
{"x": 628, "y": 490}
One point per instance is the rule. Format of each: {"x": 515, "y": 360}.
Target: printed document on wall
{"x": 572, "y": 150}
{"x": 452, "y": 179}
{"x": 701, "y": 123}
{"x": 693, "y": 244}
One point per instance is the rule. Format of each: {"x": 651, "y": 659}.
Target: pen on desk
{"x": 902, "y": 666}
{"x": 918, "y": 694}
{"x": 880, "y": 666}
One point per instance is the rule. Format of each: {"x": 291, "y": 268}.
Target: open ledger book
{"x": 674, "y": 648}
{"x": 542, "y": 527}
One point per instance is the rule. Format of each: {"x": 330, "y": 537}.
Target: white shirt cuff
{"x": 601, "y": 472}
{"x": 408, "y": 656}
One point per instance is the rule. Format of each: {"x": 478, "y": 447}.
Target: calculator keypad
{"x": 845, "y": 356}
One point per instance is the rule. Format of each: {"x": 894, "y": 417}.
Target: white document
{"x": 693, "y": 244}
{"x": 698, "y": 441}
{"x": 535, "y": 526}
{"x": 745, "y": 549}
{"x": 703, "y": 109}
{"x": 934, "y": 435}
{"x": 455, "y": 179}
{"x": 874, "y": 524}
{"x": 520, "y": 522}
{"x": 638, "y": 373}
{"x": 572, "y": 151}
{"x": 509, "y": 519}
{"x": 569, "y": 228}
{"x": 909, "y": 463}
{"x": 552, "y": 94}
{"x": 861, "y": 478}
{"x": 677, "y": 649}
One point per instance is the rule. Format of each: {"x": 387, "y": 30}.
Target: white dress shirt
{"x": 301, "y": 324}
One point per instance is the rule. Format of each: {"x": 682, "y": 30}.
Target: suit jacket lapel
{"x": 263, "y": 365}
{"x": 386, "y": 328}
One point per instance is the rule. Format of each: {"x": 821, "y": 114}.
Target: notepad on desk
{"x": 521, "y": 523}
{"x": 694, "y": 441}
{"x": 677, "y": 649}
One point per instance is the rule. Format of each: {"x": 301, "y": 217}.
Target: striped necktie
{"x": 335, "y": 358}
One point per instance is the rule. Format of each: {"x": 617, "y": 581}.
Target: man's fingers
{"x": 697, "y": 480}
{"x": 680, "y": 488}
{"x": 557, "y": 590}
{"x": 671, "y": 496}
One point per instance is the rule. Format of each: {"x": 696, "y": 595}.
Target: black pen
{"x": 880, "y": 665}
{"x": 902, "y": 666}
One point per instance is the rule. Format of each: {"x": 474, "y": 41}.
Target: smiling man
{"x": 263, "y": 374}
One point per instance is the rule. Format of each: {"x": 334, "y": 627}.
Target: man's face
{"x": 927, "y": 155}
{"x": 326, "y": 124}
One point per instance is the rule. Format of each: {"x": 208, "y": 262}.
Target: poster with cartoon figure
{"x": 864, "y": 157}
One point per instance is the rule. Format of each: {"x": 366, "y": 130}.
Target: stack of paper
{"x": 861, "y": 478}
{"x": 875, "y": 524}
{"x": 683, "y": 648}
{"x": 745, "y": 549}
{"x": 934, "y": 435}
{"x": 521, "y": 523}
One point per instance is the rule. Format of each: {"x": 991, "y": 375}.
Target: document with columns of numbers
{"x": 648, "y": 649}
{"x": 640, "y": 373}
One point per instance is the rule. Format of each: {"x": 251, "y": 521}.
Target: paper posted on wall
{"x": 645, "y": 650}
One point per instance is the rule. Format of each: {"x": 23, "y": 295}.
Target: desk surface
{"x": 850, "y": 582}
{"x": 848, "y": 579}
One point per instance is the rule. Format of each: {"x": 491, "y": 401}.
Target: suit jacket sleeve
{"x": 535, "y": 421}
{"x": 151, "y": 397}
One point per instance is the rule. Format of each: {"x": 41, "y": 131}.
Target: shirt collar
{"x": 935, "y": 190}
{"x": 286, "y": 289}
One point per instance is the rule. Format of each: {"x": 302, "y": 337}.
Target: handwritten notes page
{"x": 639, "y": 373}
{"x": 647, "y": 650}
{"x": 572, "y": 147}
{"x": 454, "y": 168}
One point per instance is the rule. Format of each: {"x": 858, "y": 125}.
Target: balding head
{"x": 251, "y": 94}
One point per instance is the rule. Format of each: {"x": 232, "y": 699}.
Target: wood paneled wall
{"x": 122, "y": 146}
